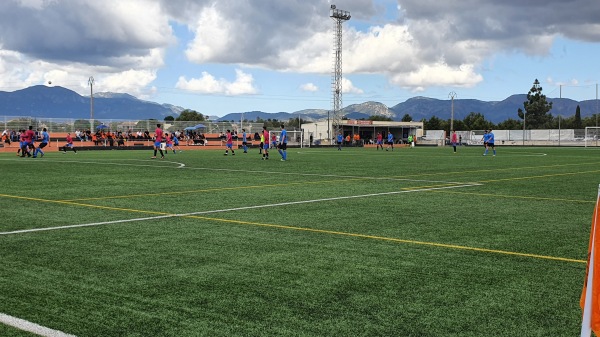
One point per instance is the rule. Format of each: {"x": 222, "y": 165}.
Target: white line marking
{"x": 24, "y": 325}
{"x": 183, "y": 166}
{"x": 231, "y": 209}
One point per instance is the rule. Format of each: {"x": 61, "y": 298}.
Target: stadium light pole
{"x": 91, "y": 83}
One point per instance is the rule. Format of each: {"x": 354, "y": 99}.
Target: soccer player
{"x": 158, "y": 133}
{"x": 453, "y": 140}
{"x": 379, "y": 141}
{"x": 21, "y": 135}
{"x": 339, "y": 140}
{"x": 176, "y": 141}
{"x": 265, "y": 135}
{"x": 28, "y": 142}
{"x": 229, "y": 143}
{"x": 390, "y": 141}
{"x": 490, "y": 143}
{"x": 244, "y": 141}
{"x": 69, "y": 144}
{"x": 169, "y": 143}
{"x": 45, "y": 141}
{"x": 484, "y": 139}
{"x": 273, "y": 141}
{"x": 262, "y": 143}
{"x": 283, "y": 143}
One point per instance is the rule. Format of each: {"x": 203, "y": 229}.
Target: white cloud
{"x": 310, "y": 87}
{"x": 208, "y": 84}
{"x": 349, "y": 88}
{"x": 439, "y": 74}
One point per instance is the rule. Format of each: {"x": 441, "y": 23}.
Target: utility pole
{"x": 452, "y": 94}
{"x": 91, "y": 83}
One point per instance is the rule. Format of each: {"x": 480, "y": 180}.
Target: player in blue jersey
{"x": 340, "y": 140}
{"x": 44, "y": 142}
{"x": 390, "y": 141}
{"x": 283, "y": 139}
{"x": 244, "y": 141}
{"x": 176, "y": 142}
{"x": 490, "y": 143}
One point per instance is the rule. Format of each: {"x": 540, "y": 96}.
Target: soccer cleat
{"x": 162, "y": 157}
{"x": 282, "y": 159}
{"x": 153, "y": 157}
{"x": 233, "y": 154}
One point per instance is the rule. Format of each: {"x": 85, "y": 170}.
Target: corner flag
{"x": 590, "y": 297}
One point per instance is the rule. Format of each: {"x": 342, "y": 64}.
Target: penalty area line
{"x": 37, "y": 329}
{"x": 228, "y": 209}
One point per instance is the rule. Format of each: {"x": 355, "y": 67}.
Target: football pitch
{"x": 359, "y": 242}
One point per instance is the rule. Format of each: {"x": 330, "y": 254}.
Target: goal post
{"x": 592, "y": 136}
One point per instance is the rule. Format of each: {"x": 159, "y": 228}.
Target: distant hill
{"x": 59, "y": 102}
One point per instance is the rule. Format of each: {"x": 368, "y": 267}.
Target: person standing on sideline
{"x": 379, "y": 141}
{"x": 490, "y": 143}
{"x": 283, "y": 143}
{"x": 69, "y": 144}
{"x": 229, "y": 143}
{"x": 390, "y": 141}
{"x": 158, "y": 134}
{"x": 45, "y": 141}
{"x": 244, "y": 141}
{"x": 340, "y": 140}
{"x": 453, "y": 140}
{"x": 265, "y": 136}
{"x": 410, "y": 140}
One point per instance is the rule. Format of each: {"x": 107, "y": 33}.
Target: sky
{"x": 226, "y": 56}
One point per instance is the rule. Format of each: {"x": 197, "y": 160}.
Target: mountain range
{"x": 59, "y": 102}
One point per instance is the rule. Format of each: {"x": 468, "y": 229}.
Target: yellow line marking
{"x": 540, "y": 176}
{"x": 496, "y": 170}
{"x": 69, "y": 203}
{"x": 517, "y": 196}
{"x": 322, "y": 231}
{"x": 214, "y": 189}
{"x": 382, "y": 238}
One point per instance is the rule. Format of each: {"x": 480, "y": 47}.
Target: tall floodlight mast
{"x": 91, "y": 83}
{"x": 338, "y": 16}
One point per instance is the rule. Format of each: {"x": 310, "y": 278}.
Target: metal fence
{"x": 543, "y": 137}
{"x": 71, "y": 125}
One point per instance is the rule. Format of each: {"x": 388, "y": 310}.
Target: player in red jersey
{"x": 158, "y": 133}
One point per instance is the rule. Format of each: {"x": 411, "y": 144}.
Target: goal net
{"x": 592, "y": 136}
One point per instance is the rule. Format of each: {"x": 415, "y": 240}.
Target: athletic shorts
{"x": 69, "y": 145}
{"x": 282, "y": 146}
{"x": 266, "y": 146}
{"x": 244, "y": 143}
{"x": 379, "y": 142}
{"x": 490, "y": 144}
{"x": 390, "y": 143}
{"x": 157, "y": 144}
{"x": 42, "y": 145}
{"x": 229, "y": 145}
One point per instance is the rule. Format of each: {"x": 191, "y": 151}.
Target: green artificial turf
{"x": 414, "y": 242}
